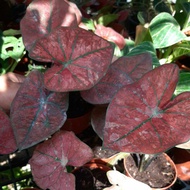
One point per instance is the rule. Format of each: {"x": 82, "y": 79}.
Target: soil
{"x": 158, "y": 174}
{"x": 90, "y": 179}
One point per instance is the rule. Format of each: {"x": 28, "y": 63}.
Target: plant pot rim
{"x": 171, "y": 163}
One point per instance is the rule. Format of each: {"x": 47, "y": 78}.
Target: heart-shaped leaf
{"x": 50, "y": 158}
{"x": 80, "y": 58}
{"x": 42, "y": 16}
{"x": 142, "y": 119}
{"x": 7, "y": 140}
{"x": 123, "y": 71}
{"x": 165, "y": 31}
{"x": 36, "y": 113}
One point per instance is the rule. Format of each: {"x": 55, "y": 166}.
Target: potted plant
{"x": 82, "y": 61}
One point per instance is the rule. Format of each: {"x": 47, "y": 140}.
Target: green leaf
{"x": 183, "y": 84}
{"x": 182, "y": 14}
{"x": 107, "y": 19}
{"x": 88, "y": 23}
{"x": 11, "y": 32}
{"x": 165, "y": 31}
{"x": 12, "y": 47}
{"x": 161, "y": 6}
{"x": 145, "y": 47}
{"x": 179, "y": 50}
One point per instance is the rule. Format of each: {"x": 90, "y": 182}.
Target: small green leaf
{"x": 180, "y": 50}
{"x": 165, "y": 31}
{"x": 89, "y": 24}
{"x": 145, "y": 47}
{"x": 12, "y": 47}
{"x": 183, "y": 84}
{"x": 11, "y": 32}
{"x": 107, "y": 19}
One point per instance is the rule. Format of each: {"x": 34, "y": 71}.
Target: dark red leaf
{"x": 123, "y": 71}
{"x": 50, "y": 158}
{"x": 142, "y": 119}
{"x": 36, "y": 113}
{"x": 42, "y": 16}
{"x": 7, "y": 140}
{"x": 80, "y": 58}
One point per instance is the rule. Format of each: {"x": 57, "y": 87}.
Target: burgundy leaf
{"x": 7, "y": 140}
{"x": 110, "y": 35}
{"x": 50, "y": 158}
{"x": 123, "y": 71}
{"x": 36, "y": 113}
{"x": 142, "y": 119}
{"x": 80, "y": 58}
{"x": 42, "y": 16}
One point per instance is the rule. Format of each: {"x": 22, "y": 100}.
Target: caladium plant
{"x": 139, "y": 116}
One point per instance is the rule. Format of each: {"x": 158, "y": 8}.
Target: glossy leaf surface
{"x": 80, "y": 58}
{"x": 42, "y": 16}
{"x": 123, "y": 71}
{"x": 50, "y": 158}
{"x": 36, "y": 113}
{"x": 165, "y": 31}
{"x": 183, "y": 84}
{"x": 7, "y": 140}
{"x": 142, "y": 119}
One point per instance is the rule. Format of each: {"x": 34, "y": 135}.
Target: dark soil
{"x": 159, "y": 172}
{"x": 91, "y": 179}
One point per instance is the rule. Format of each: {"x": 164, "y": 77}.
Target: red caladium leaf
{"x": 110, "y": 35}
{"x": 42, "y": 16}
{"x": 80, "y": 58}
{"x": 7, "y": 140}
{"x": 123, "y": 71}
{"x": 36, "y": 113}
{"x": 50, "y": 158}
{"x": 142, "y": 119}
